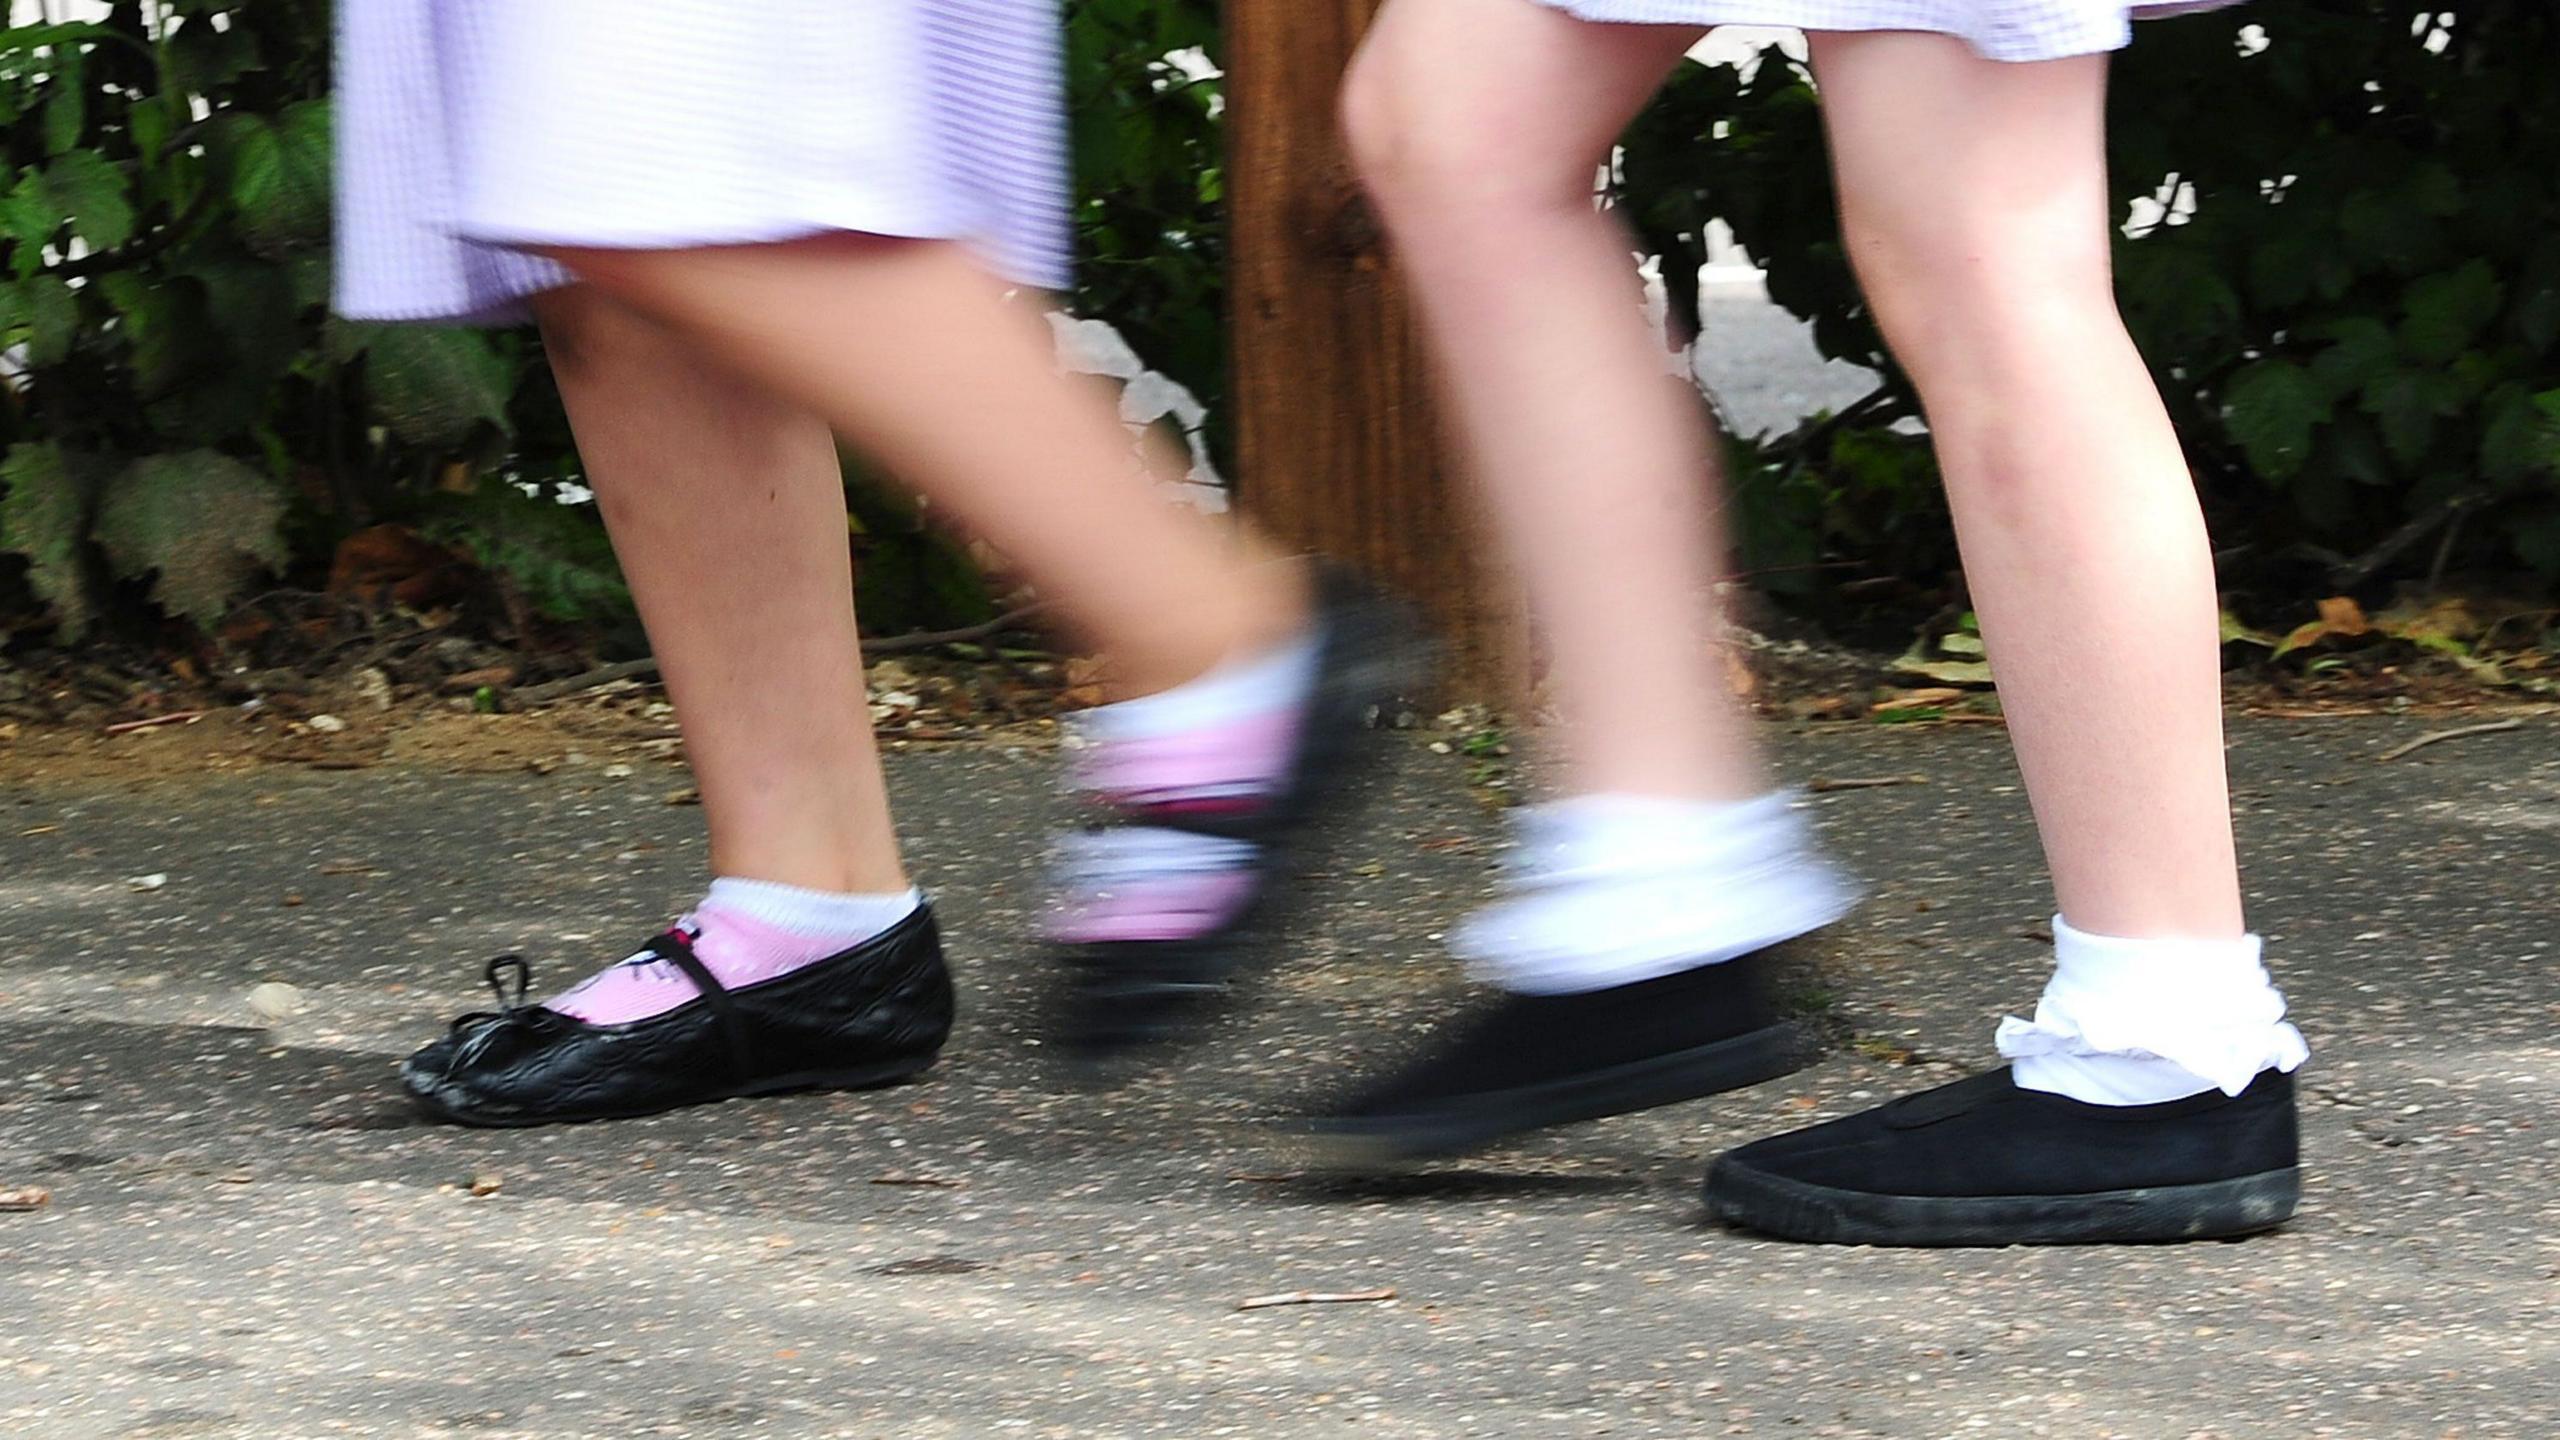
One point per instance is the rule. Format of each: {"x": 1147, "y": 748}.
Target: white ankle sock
{"x": 1273, "y": 679}
{"x": 847, "y": 917}
{"x": 1609, "y": 890}
{"x": 2138, "y": 1022}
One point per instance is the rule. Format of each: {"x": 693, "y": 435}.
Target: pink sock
{"x": 1226, "y": 737}
{"x": 744, "y": 932}
{"x": 1219, "y": 745}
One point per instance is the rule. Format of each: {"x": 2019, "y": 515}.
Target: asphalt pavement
{"x": 248, "y": 1235}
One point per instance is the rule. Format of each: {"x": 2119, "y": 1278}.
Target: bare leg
{"x": 1479, "y": 126}
{"x": 1634, "y": 945}
{"x": 1973, "y": 195}
{"x": 911, "y": 351}
{"x": 726, "y": 508}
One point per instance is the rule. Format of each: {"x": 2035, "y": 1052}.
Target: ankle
{"x": 831, "y": 874}
{"x": 1265, "y": 606}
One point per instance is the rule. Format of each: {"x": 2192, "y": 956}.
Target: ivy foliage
{"x": 181, "y": 419}
{"x": 181, "y": 410}
{"x": 2350, "y": 293}
{"x": 2354, "y": 308}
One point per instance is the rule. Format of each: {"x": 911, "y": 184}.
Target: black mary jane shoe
{"x": 1528, "y": 1062}
{"x": 1115, "y": 998}
{"x": 1984, "y": 1162}
{"x": 872, "y": 1015}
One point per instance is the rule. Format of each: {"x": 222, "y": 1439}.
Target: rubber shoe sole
{"x": 1374, "y": 1142}
{"x": 869, "y": 1077}
{"x": 1795, "y": 1210}
{"x": 1165, "y": 994}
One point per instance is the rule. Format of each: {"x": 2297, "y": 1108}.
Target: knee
{"x": 1429, "y": 145}
{"x": 1962, "y": 303}
{"x": 587, "y": 333}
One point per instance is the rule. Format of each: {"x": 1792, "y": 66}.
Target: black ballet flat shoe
{"x": 1983, "y": 1162}
{"x": 872, "y": 1015}
{"x": 1118, "y": 997}
{"x": 1529, "y": 1062}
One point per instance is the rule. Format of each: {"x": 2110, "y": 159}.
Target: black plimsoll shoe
{"x": 1528, "y": 1062}
{"x": 872, "y": 1015}
{"x": 1119, "y": 996}
{"x": 1983, "y": 1162}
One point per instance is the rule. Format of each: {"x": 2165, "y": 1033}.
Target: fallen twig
{"x": 21, "y": 1201}
{"x": 179, "y": 717}
{"x": 1820, "y": 786}
{"x": 2492, "y": 728}
{"x": 586, "y": 680}
{"x": 647, "y": 665}
{"x": 1316, "y": 1297}
{"x": 927, "y": 639}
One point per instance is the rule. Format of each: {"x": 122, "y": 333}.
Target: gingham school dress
{"x": 467, "y": 128}
{"x": 1997, "y": 29}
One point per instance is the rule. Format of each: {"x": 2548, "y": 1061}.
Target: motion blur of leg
{"x": 754, "y": 226}
{"x": 2150, "y": 1098}
{"x": 913, "y": 351}
{"x": 1634, "y": 949}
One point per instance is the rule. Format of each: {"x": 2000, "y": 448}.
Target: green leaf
{"x": 2280, "y": 270}
{"x": 2235, "y": 632}
{"x": 66, "y": 114}
{"x": 2361, "y": 348}
{"x": 2516, "y": 439}
{"x": 2179, "y": 294}
{"x": 44, "y": 516}
{"x": 2538, "y": 319}
{"x": 558, "y": 554}
{"x": 90, "y": 193}
{"x": 1918, "y": 662}
{"x": 311, "y": 277}
{"x": 203, "y": 59}
{"x": 2381, "y": 229}
{"x": 27, "y": 39}
{"x": 2402, "y": 402}
{"x": 429, "y": 385}
{"x": 30, "y": 218}
{"x": 167, "y": 338}
{"x": 241, "y": 331}
{"x": 2273, "y": 408}
{"x": 2433, "y": 189}
{"x": 279, "y": 176}
{"x": 202, "y": 523}
{"x": 51, "y": 314}
{"x": 2447, "y": 311}
{"x": 2354, "y": 451}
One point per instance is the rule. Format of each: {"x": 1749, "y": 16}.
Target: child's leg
{"x": 1973, "y": 196}
{"x": 1246, "y": 685}
{"x": 726, "y": 508}
{"x": 2150, "y": 1099}
{"x": 1634, "y": 949}
{"x": 1479, "y": 127}
{"x": 911, "y": 351}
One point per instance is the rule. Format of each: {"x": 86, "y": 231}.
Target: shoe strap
{"x": 676, "y": 948}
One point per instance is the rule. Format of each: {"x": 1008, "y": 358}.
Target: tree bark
{"x": 1337, "y": 449}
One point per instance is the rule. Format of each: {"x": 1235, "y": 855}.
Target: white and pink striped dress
{"x": 2019, "y": 30}
{"x": 469, "y": 128}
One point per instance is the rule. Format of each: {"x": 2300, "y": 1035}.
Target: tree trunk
{"x": 1336, "y": 446}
